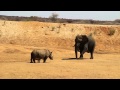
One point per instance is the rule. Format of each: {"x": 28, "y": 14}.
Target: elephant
{"x": 84, "y": 43}
{"x": 38, "y": 54}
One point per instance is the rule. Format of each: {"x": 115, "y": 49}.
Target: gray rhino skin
{"x": 38, "y": 54}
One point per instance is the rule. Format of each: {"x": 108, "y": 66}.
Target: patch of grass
{"x": 59, "y": 26}
{"x": 72, "y": 29}
{"x": 64, "y": 24}
{"x": 12, "y": 42}
{"x": 4, "y": 23}
{"x": 0, "y": 33}
{"x": 95, "y": 32}
{"x": 58, "y": 31}
{"x": 111, "y": 32}
{"x": 46, "y": 33}
{"x": 53, "y": 28}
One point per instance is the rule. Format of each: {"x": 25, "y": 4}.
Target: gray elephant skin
{"x": 84, "y": 43}
{"x": 38, "y": 54}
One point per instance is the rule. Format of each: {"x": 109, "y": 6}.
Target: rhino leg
{"x": 44, "y": 59}
{"x": 39, "y": 60}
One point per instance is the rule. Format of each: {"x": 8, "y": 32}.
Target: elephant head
{"x": 80, "y": 41}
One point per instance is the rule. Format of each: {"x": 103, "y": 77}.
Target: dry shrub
{"x": 53, "y": 28}
{"x": 12, "y": 42}
{"x": 111, "y": 31}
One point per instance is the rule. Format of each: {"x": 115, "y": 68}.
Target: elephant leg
{"x": 76, "y": 54}
{"x": 31, "y": 60}
{"x": 76, "y": 51}
{"x": 34, "y": 60}
{"x": 81, "y": 55}
{"x": 91, "y": 55}
{"x": 85, "y": 48}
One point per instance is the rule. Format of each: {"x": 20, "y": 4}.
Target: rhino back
{"x": 41, "y": 52}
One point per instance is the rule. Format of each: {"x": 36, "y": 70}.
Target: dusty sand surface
{"x": 18, "y": 39}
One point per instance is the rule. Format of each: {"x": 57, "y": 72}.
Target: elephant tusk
{"x": 80, "y": 39}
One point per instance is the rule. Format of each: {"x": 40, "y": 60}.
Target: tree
{"x": 117, "y": 20}
{"x": 54, "y": 17}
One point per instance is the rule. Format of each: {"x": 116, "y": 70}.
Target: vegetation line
{"x": 54, "y": 19}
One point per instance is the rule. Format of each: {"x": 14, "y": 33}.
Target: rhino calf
{"x": 38, "y": 54}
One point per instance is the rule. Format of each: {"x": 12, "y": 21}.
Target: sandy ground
{"x": 15, "y": 64}
{"x": 18, "y": 39}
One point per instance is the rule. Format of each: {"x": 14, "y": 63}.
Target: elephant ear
{"x": 78, "y": 38}
{"x": 84, "y": 39}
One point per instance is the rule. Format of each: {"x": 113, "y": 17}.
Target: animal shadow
{"x": 73, "y": 58}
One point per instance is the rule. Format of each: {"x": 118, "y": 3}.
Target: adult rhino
{"x": 38, "y": 54}
{"x": 84, "y": 44}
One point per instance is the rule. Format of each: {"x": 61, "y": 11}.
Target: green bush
{"x": 111, "y": 31}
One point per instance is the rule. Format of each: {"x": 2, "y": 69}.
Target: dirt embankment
{"x": 18, "y": 39}
{"x": 59, "y": 35}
